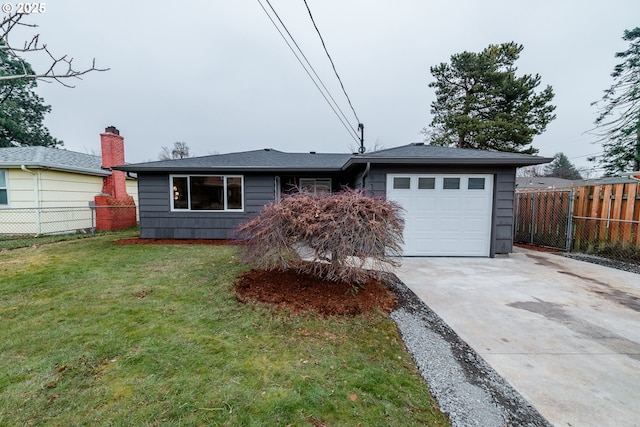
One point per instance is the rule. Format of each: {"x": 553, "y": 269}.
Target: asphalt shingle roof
{"x": 265, "y": 160}
{"x": 274, "y": 160}
{"x": 432, "y": 154}
{"x": 52, "y": 158}
{"x": 523, "y": 182}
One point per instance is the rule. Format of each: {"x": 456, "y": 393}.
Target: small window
{"x": 180, "y": 193}
{"x": 315, "y": 185}
{"x": 234, "y": 193}
{"x": 401, "y": 183}
{"x": 426, "y": 183}
{"x": 451, "y": 184}
{"x": 476, "y": 184}
{"x": 4, "y": 190}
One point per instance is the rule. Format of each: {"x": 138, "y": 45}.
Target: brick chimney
{"x": 112, "y": 145}
{"x": 115, "y": 209}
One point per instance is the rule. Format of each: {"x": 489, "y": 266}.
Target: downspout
{"x": 36, "y": 196}
{"x": 364, "y": 175}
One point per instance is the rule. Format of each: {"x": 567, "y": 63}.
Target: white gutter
{"x": 36, "y": 196}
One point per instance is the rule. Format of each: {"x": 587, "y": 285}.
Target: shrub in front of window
{"x": 345, "y": 236}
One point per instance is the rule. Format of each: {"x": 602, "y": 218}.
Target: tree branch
{"x": 60, "y": 68}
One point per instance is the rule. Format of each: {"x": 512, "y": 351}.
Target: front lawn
{"x": 100, "y": 334}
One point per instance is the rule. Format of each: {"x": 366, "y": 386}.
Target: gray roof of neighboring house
{"x": 52, "y": 158}
{"x": 608, "y": 180}
{"x": 268, "y": 160}
{"x": 524, "y": 182}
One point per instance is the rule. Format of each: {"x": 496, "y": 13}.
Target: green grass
{"x": 14, "y": 242}
{"x": 99, "y": 334}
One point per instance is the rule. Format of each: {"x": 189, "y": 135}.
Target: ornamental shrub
{"x": 346, "y": 236}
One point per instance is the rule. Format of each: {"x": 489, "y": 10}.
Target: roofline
{"x": 449, "y": 161}
{"x": 208, "y": 169}
{"x": 58, "y": 168}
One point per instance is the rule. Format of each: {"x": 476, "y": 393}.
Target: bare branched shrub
{"x": 344, "y": 236}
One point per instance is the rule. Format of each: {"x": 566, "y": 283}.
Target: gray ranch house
{"x": 457, "y": 202}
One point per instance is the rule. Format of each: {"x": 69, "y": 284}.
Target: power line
{"x": 350, "y": 130}
{"x": 331, "y": 60}
{"x": 309, "y": 64}
{"x": 586, "y": 155}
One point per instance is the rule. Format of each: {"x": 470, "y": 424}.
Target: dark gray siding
{"x": 504, "y": 189}
{"x": 157, "y": 221}
{"x": 502, "y": 232}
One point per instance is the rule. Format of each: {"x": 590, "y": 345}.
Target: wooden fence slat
{"x": 636, "y": 215}
{"x": 616, "y": 212}
{"x": 594, "y": 205}
{"x": 580, "y": 208}
{"x": 605, "y": 207}
{"x": 629, "y": 209}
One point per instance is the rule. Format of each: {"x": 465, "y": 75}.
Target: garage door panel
{"x": 445, "y": 222}
{"x": 448, "y": 225}
{"x": 425, "y": 204}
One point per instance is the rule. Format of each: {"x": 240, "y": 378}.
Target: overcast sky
{"x": 217, "y": 75}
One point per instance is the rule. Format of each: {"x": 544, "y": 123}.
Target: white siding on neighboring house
{"x": 132, "y": 190}
{"x": 50, "y": 189}
{"x": 21, "y": 186}
{"x": 63, "y": 189}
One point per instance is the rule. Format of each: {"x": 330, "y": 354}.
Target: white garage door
{"x": 445, "y": 215}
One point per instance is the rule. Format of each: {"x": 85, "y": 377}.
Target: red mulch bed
{"x": 139, "y": 241}
{"x": 298, "y": 293}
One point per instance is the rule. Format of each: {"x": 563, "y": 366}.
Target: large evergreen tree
{"x": 619, "y": 119}
{"x": 561, "y": 167}
{"x": 481, "y": 103}
{"x": 21, "y": 109}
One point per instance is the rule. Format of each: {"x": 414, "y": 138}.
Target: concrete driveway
{"x": 564, "y": 333}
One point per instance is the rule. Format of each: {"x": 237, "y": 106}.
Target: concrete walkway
{"x": 564, "y": 333}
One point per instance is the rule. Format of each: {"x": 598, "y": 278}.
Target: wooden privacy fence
{"x": 607, "y": 215}
{"x": 586, "y": 218}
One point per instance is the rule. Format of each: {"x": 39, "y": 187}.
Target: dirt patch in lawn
{"x": 288, "y": 290}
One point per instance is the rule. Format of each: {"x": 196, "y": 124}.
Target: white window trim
{"x": 6, "y": 186}
{"x": 188, "y": 209}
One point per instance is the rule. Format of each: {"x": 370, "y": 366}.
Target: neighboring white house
{"x": 48, "y": 190}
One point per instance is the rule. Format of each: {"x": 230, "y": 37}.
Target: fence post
{"x": 516, "y": 223}
{"x": 533, "y": 216}
{"x": 92, "y": 207}
{"x": 569, "y": 237}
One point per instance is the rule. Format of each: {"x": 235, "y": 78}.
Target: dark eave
{"x": 239, "y": 168}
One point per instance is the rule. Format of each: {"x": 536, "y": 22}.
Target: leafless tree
{"x": 61, "y": 67}
{"x": 530, "y": 171}
{"x": 180, "y": 150}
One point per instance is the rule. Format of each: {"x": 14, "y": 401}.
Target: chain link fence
{"x": 548, "y": 218}
{"x": 610, "y": 238}
{"x": 20, "y": 227}
{"x": 544, "y": 218}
